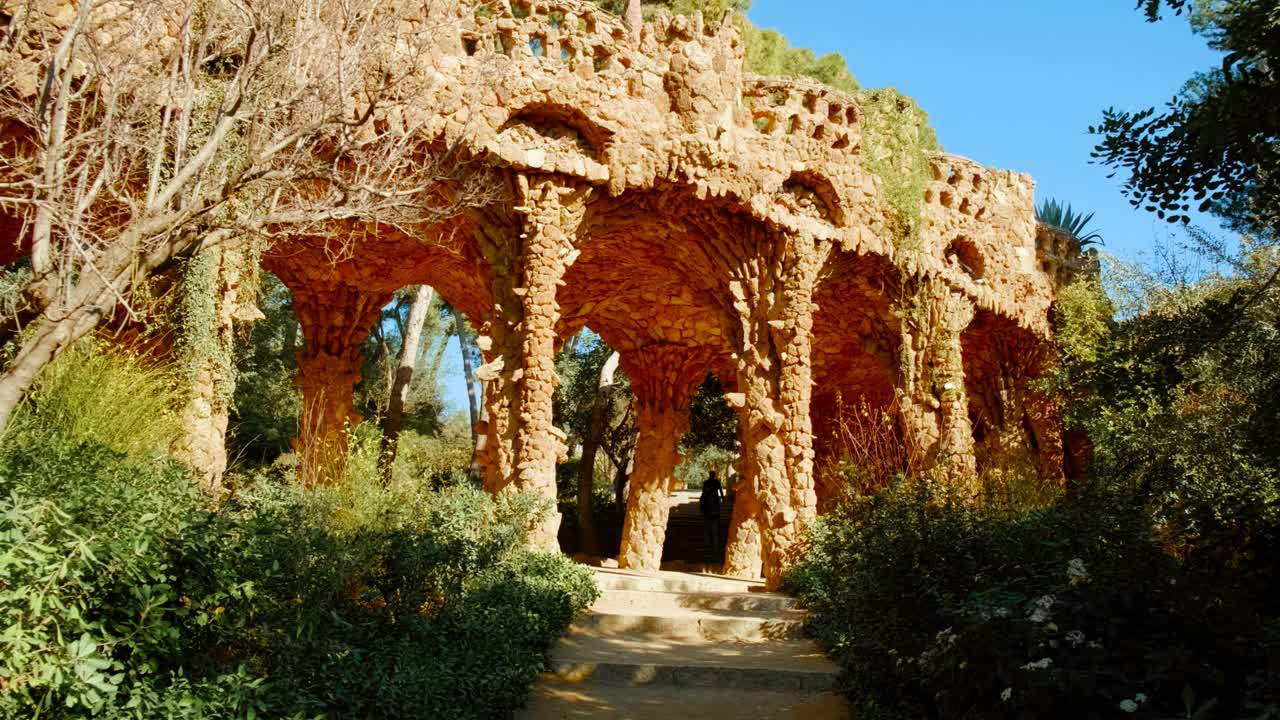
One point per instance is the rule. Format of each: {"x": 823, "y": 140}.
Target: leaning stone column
{"x": 932, "y": 396}
{"x": 663, "y": 378}
{"x": 335, "y": 322}
{"x": 774, "y": 306}
{"x": 527, "y": 254}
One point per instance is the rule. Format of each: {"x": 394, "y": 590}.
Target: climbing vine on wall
{"x": 206, "y": 343}
{"x": 896, "y": 141}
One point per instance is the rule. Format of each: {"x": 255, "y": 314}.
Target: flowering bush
{"x": 936, "y": 611}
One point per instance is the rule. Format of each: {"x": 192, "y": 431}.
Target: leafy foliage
{"x": 1065, "y": 220}
{"x": 897, "y": 138}
{"x": 126, "y": 597}
{"x": 106, "y": 396}
{"x": 1217, "y": 144}
{"x": 712, "y": 422}
{"x": 266, "y": 407}
{"x": 1179, "y": 402}
{"x": 769, "y": 53}
{"x": 941, "y": 611}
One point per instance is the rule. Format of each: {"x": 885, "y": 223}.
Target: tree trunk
{"x": 587, "y": 465}
{"x": 403, "y": 378}
{"x": 473, "y": 402}
{"x": 291, "y": 330}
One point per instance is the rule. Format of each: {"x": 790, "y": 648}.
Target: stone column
{"x": 527, "y": 254}
{"x": 495, "y": 434}
{"x": 212, "y": 305}
{"x": 1044, "y": 421}
{"x": 663, "y": 378}
{"x": 932, "y": 396}
{"x": 743, "y": 551}
{"x": 773, "y": 300}
{"x": 335, "y": 322}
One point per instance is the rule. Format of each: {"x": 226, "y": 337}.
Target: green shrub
{"x": 937, "y": 611}
{"x": 96, "y": 581}
{"x": 108, "y": 397}
{"x": 125, "y": 597}
{"x": 441, "y": 458}
{"x": 1179, "y": 402}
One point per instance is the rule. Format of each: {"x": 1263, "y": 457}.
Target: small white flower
{"x": 1128, "y": 706}
{"x": 1076, "y": 638}
{"x": 1008, "y": 693}
{"x": 1140, "y": 698}
{"x": 1076, "y": 572}
{"x": 1041, "y": 664}
{"x": 1040, "y": 608}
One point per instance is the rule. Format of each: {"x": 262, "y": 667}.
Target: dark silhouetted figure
{"x": 709, "y": 504}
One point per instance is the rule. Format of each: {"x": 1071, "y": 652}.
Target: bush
{"x": 108, "y": 397}
{"x": 939, "y": 611}
{"x": 441, "y": 458}
{"x": 125, "y": 596}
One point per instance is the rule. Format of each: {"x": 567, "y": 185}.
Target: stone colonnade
{"x": 767, "y": 280}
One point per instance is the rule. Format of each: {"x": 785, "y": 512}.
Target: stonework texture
{"x": 699, "y": 219}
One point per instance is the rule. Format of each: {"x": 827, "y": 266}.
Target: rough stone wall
{"x": 662, "y": 196}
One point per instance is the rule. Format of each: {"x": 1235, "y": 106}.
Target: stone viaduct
{"x": 701, "y": 220}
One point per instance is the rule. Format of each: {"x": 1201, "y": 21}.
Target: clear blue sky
{"x": 1010, "y": 83}
{"x": 1013, "y": 83}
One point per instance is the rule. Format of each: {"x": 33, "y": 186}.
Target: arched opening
{"x": 963, "y": 255}
{"x": 857, "y": 442}
{"x": 809, "y": 194}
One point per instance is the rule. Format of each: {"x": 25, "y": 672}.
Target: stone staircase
{"x": 667, "y": 644}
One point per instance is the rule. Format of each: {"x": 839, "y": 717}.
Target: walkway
{"x": 667, "y": 644}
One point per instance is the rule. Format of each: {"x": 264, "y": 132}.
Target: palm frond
{"x": 1064, "y": 219}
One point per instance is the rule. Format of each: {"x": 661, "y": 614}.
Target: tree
{"x": 1216, "y": 146}
{"x": 605, "y": 385}
{"x": 466, "y": 344}
{"x": 411, "y": 340}
{"x": 137, "y": 134}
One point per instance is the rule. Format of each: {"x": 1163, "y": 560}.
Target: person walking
{"x": 709, "y": 504}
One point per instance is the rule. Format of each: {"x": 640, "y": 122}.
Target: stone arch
{"x": 340, "y": 281}
{"x": 556, "y": 137}
{"x": 856, "y": 345}
{"x": 1016, "y": 428}
{"x": 965, "y": 255}
{"x": 810, "y": 194}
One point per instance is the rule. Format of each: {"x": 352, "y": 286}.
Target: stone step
{"x": 591, "y": 657}
{"x": 557, "y": 700}
{"x": 687, "y": 624}
{"x": 664, "y": 581}
{"x": 737, "y": 602}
